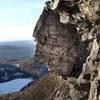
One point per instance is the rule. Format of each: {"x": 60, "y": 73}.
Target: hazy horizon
{"x": 17, "y": 40}
{"x": 18, "y": 18}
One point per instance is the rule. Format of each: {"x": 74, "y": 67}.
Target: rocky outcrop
{"x": 57, "y": 44}
{"x": 68, "y": 40}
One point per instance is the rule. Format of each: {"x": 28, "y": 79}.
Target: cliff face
{"x": 68, "y": 40}
{"x": 57, "y": 44}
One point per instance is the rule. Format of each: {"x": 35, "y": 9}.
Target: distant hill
{"x": 18, "y": 43}
{"x": 17, "y": 49}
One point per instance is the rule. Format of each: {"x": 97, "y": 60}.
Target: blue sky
{"x": 18, "y": 18}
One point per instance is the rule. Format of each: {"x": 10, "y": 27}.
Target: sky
{"x": 18, "y": 18}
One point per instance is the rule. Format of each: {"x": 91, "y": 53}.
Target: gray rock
{"x": 60, "y": 56}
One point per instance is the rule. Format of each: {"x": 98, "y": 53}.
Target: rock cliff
{"x": 68, "y": 41}
{"x": 57, "y": 44}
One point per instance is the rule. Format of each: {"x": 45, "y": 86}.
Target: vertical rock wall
{"x": 57, "y": 44}
{"x": 68, "y": 34}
